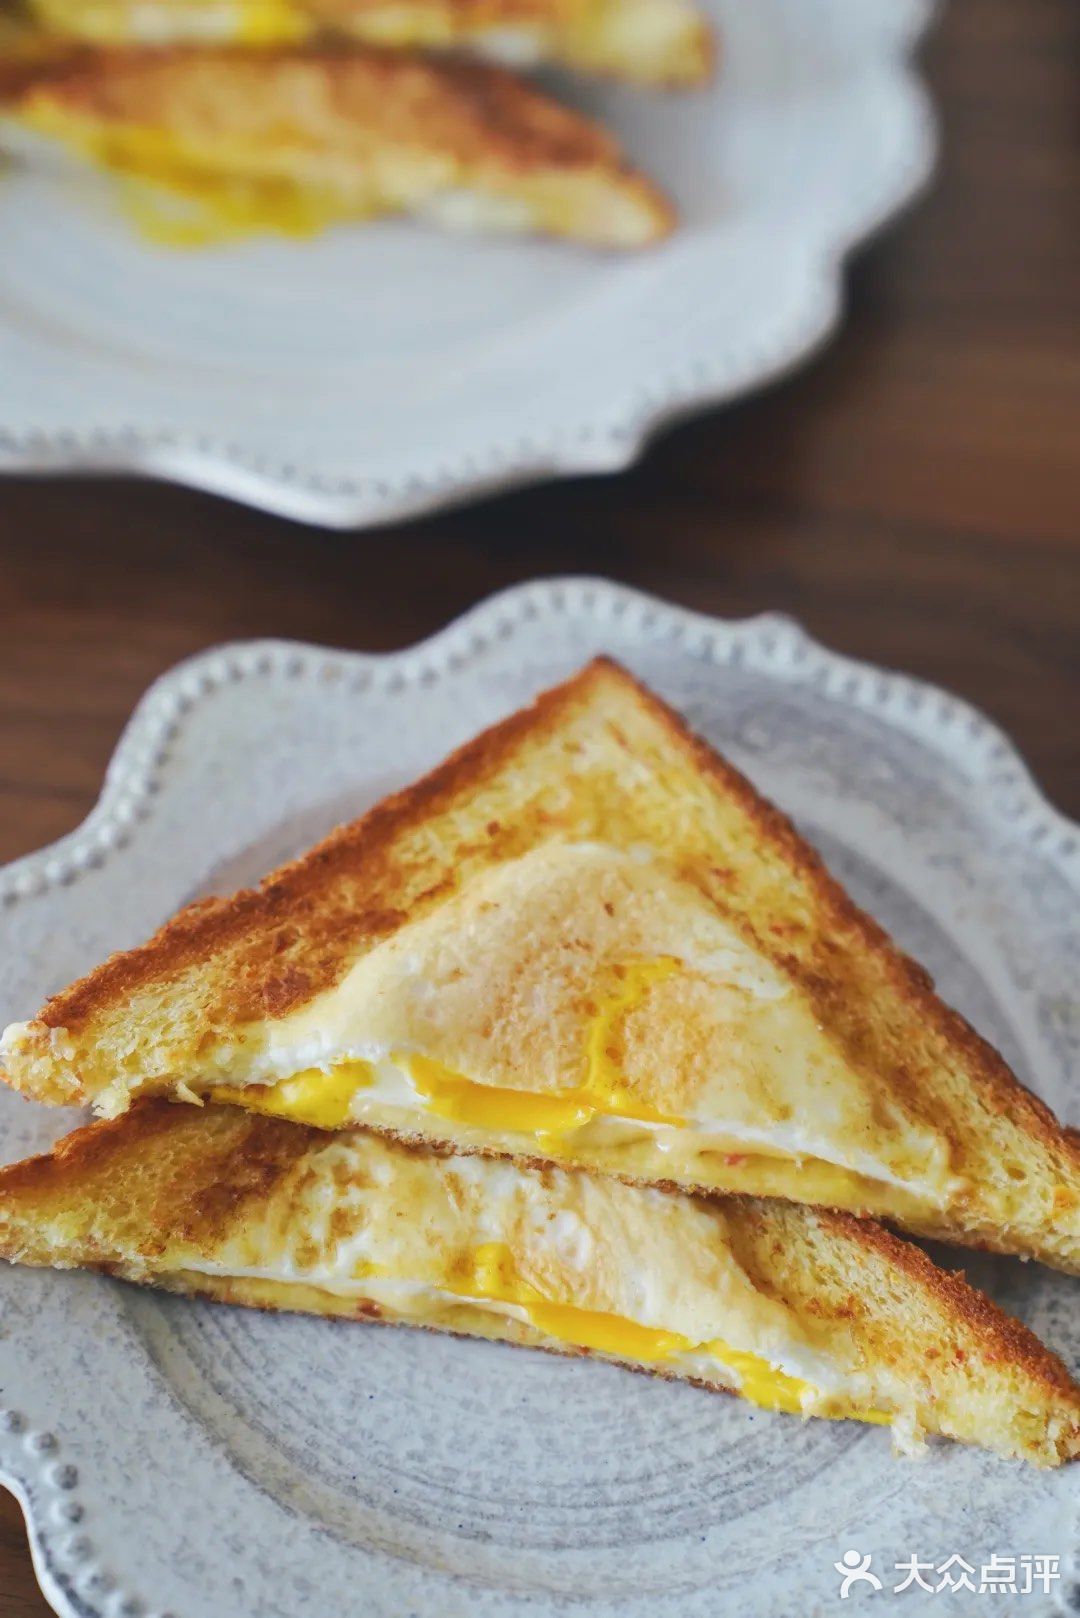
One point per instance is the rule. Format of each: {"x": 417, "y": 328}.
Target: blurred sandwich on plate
{"x": 665, "y": 42}
{"x": 214, "y": 142}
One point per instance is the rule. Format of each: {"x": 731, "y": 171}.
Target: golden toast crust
{"x": 654, "y": 42}
{"x": 146, "y": 1195}
{"x": 265, "y": 952}
{"x": 289, "y": 909}
{"x": 470, "y": 108}
{"x": 344, "y": 119}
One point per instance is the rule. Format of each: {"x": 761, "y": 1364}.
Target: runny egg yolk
{"x": 178, "y": 198}
{"x": 324, "y": 1099}
{"x": 314, "y": 1097}
{"x": 490, "y": 1273}
{"x": 183, "y": 207}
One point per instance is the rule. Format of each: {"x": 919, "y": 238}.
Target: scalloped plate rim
{"x": 158, "y": 696}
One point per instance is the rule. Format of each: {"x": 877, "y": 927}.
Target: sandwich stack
{"x": 574, "y": 1044}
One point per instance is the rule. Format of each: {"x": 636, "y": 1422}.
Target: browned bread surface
{"x": 599, "y": 757}
{"x": 665, "y": 42}
{"x": 167, "y": 1188}
{"x": 380, "y": 129}
{"x": 336, "y": 98}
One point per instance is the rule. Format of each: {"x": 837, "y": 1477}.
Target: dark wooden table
{"x": 913, "y": 497}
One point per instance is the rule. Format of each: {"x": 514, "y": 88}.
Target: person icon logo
{"x": 854, "y": 1568}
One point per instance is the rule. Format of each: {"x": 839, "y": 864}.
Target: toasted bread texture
{"x": 583, "y": 938}
{"x": 653, "y": 42}
{"x": 230, "y": 140}
{"x": 803, "y": 1310}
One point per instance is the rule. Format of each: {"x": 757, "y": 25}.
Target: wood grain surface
{"x": 913, "y": 497}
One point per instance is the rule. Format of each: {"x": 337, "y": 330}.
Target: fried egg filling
{"x": 488, "y": 1282}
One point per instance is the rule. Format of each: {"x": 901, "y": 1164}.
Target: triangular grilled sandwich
{"x": 585, "y": 939}
{"x": 211, "y": 143}
{"x": 665, "y": 42}
{"x": 799, "y": 1310}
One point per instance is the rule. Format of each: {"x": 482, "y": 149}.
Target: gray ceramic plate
{"x": 183, "y": 1458}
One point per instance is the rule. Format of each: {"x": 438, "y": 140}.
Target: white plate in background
{"x": 383, "y": 371}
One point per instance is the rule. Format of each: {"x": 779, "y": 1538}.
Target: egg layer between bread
{"x": 586, "y": 1005}
{"x": 210, "y": 144}
{"x": 551, "y": 1258}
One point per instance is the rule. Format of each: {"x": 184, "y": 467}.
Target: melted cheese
{"x": 491, "y": 1275}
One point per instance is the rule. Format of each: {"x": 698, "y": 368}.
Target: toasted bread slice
{"x": 23, "y": 47}
{"x": 664, "y": 42}
{"x": 218, "y": 142}
{"x": 799, "y": 1310}
{"x": 583, "y": 938}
